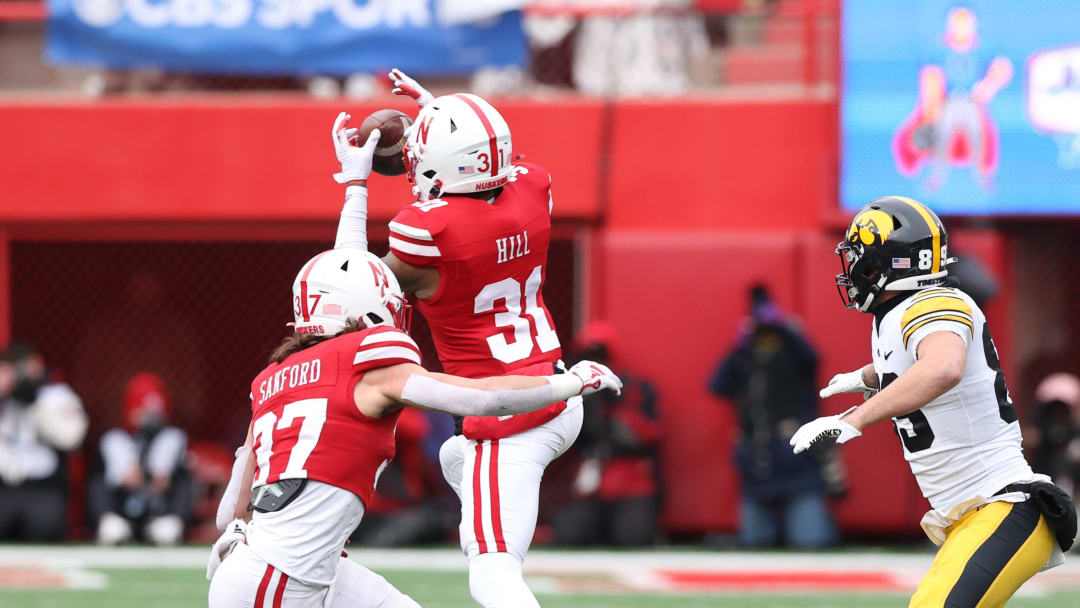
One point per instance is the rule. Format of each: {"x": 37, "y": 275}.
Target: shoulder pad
{"x": 413, "y": 233}
{"x": 937, "y": 304}
{"x": 383, "y": 346}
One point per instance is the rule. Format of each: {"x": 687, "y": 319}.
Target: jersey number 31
{"x": 517, "y": 300}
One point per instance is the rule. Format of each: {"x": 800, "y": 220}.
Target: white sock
{"x": 495, "y": 581}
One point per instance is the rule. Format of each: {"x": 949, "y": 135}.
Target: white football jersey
{"x": 965, "y": 443}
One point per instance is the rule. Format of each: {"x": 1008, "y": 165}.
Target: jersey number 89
{"x": 914, "y": 428}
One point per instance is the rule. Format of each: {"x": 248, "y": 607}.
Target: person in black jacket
{"x": 770, "y": 376}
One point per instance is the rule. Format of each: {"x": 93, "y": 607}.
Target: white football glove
{"x": 850, "y": 382}
{"x": 824, "y": 429}
{"x": 235, "y": 532}
{"x": 595, "y": 377}
{"x": 355, "y": 161}
{"x": 403, "y": 85}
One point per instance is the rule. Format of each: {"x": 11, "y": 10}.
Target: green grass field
{"x": 181, "y": 587}
{"x": 174, "y": 581}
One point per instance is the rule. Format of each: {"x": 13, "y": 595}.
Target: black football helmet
{"x": 894, "y": 244}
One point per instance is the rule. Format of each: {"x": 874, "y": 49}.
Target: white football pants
{"x": 498, "y": 482}
{"x": 244, "y": 580}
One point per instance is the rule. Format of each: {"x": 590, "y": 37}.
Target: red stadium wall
{"x": 251, "y": 159}
{"x": 691, "y": 202}
{"x": 705, "y": 165}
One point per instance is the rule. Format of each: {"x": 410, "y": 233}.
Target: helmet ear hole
{"x": 897, "y": 223}
{"x": 374, "y": 318}
{"x": 430, "y": 174}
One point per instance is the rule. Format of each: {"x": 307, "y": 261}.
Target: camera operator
{"x": 40, "y": 420}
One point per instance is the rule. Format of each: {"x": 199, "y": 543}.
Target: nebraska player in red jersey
{"x": 473, "y": 250}
{"x": 323, "y": 419}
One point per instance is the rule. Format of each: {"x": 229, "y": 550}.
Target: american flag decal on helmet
{"x": 469, "y": 170}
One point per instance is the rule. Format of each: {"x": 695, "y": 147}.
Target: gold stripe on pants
{"x": 986, "y": 556}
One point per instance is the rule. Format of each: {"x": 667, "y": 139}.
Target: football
{"x": 391, "y": 125}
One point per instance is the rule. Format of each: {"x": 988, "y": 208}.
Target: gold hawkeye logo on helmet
{"x": 871, "y": 227}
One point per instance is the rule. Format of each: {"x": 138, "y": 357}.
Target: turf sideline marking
{"x": 50, "y": 577}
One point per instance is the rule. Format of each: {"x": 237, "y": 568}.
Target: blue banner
{"x": 278, "y": 37}
{"x": 970, "y": 106}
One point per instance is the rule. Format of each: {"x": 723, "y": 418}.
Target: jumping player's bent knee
{"x": 452, "y": 461}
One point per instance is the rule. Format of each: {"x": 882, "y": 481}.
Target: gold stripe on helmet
{"x": 917, "y": 206}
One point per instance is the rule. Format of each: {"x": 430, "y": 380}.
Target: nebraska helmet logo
{"x": 380, "y": 278}
{"x": 422, "y": 130}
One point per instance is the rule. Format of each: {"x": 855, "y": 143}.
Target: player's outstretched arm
{"x": 412, "y": 385}
{"x": 940, "y": 367}
{"x": 355, "y": 170}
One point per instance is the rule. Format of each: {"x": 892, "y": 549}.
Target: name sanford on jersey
{"x": 512, "y": 247}
{"x": 290, "y": 377}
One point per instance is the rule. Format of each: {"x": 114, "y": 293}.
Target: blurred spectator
{"x": 626, "y": 47}
{"x": 770, "y": 377}
{"x": 145, "y": 491}
{"x": 1054, "y": 439}
{"x": 404, "y": 509}
{"x": 617, "y": 485}
{"x": 39, "y": 421}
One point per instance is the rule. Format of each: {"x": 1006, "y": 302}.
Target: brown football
{"x": 391, "y": 125}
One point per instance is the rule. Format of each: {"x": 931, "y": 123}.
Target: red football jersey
{"x": 488, "y": 316}
{"x": 305, "y": 423}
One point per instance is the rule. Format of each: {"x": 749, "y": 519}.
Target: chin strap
{"x": 873, "y": 295}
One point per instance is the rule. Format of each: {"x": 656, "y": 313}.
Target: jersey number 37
{"x": 297, "y": 443}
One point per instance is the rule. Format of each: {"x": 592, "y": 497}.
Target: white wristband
{"x": 564, "y": 386}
